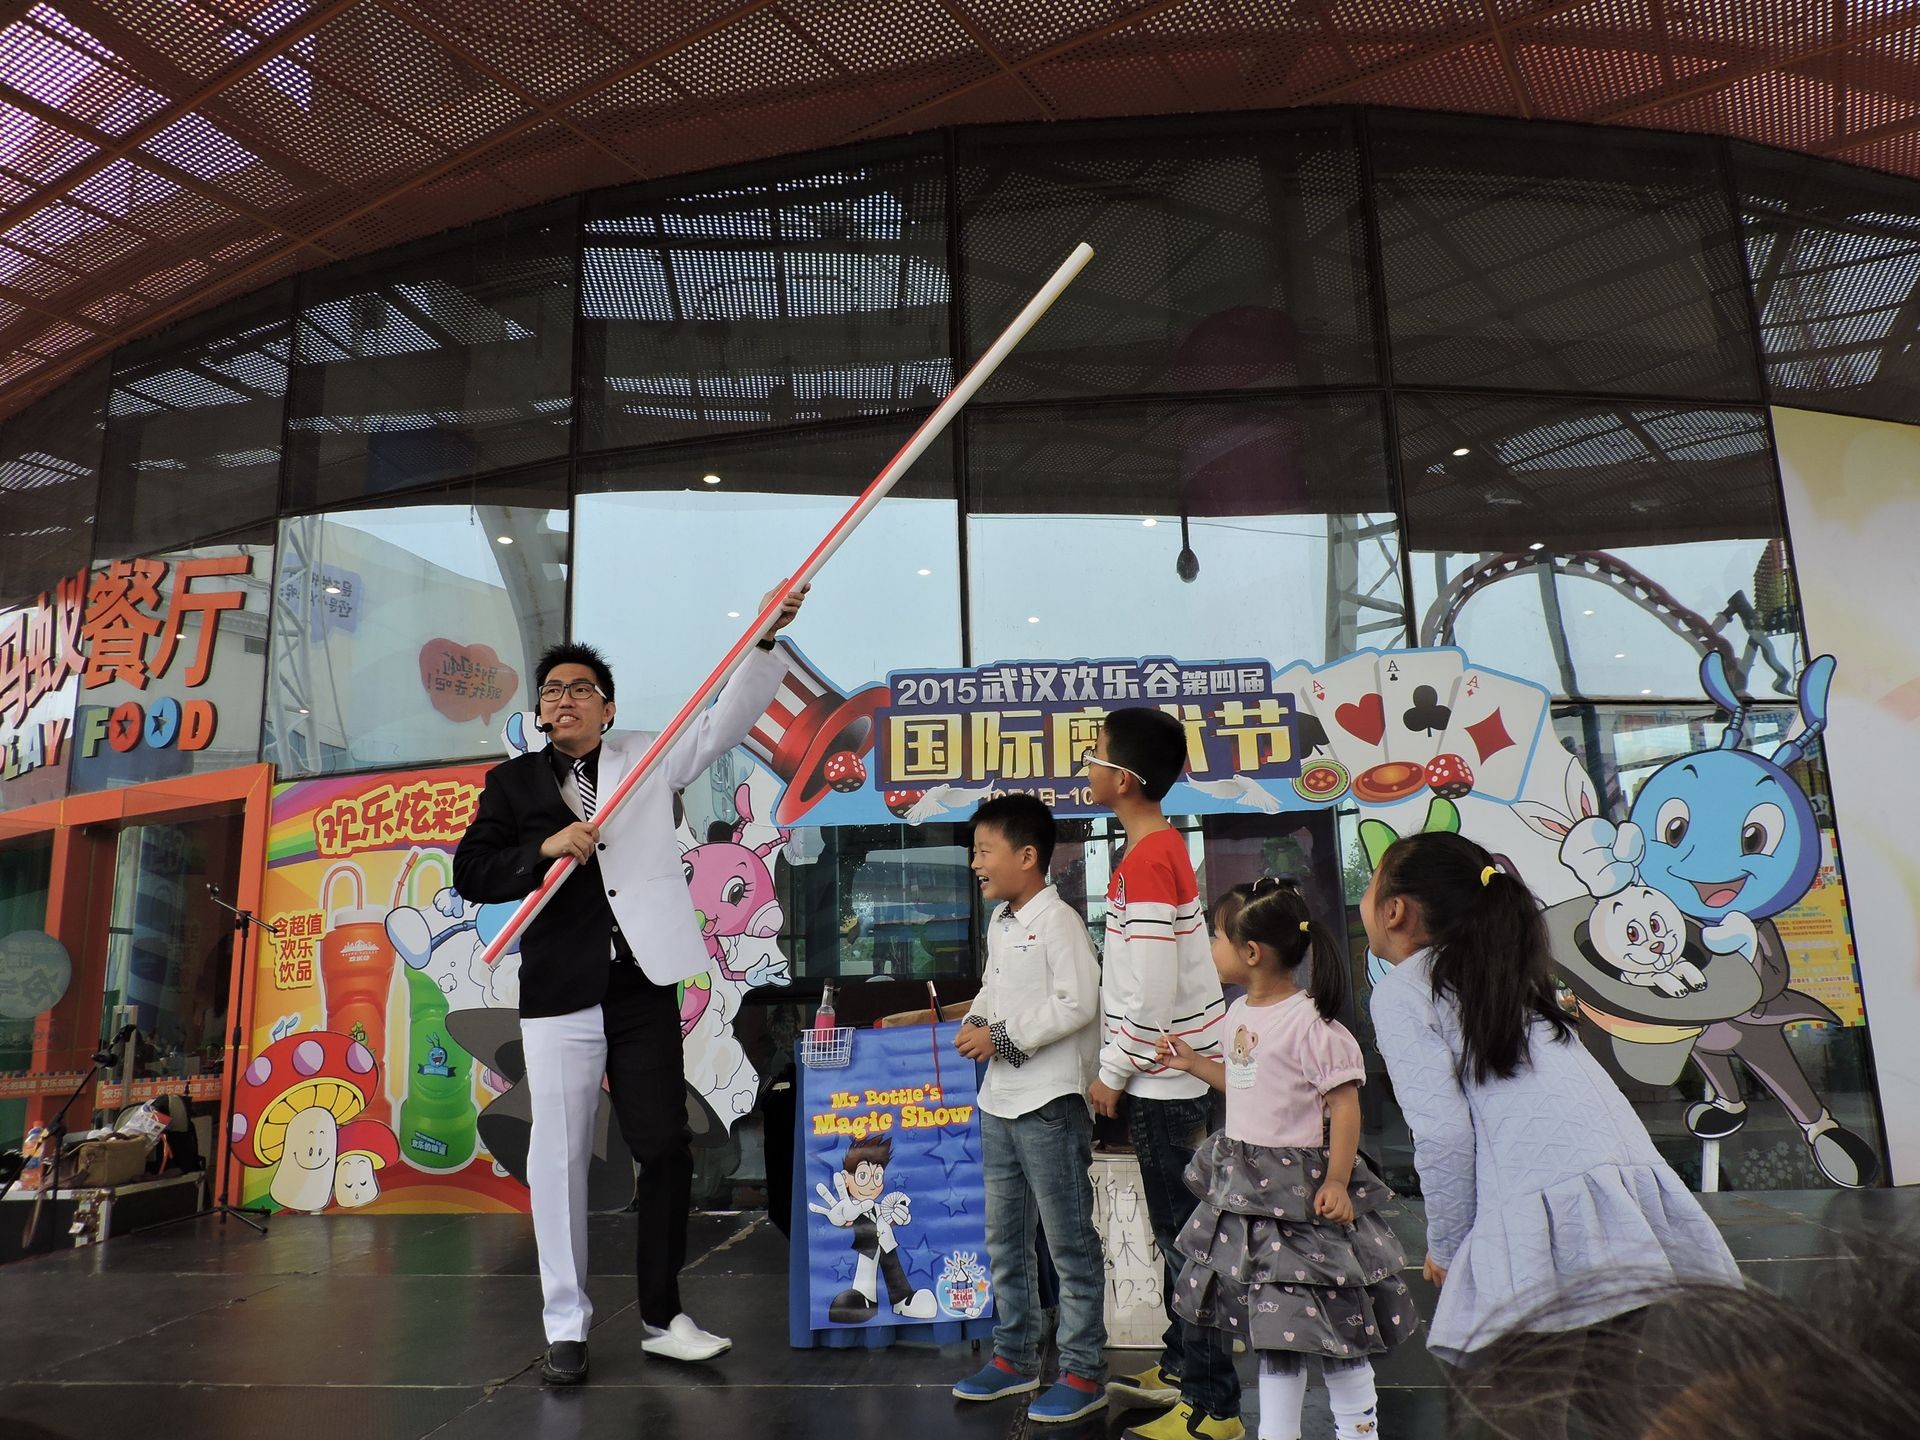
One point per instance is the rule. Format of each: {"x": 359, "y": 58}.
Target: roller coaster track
{"x": 1705, "y": 635}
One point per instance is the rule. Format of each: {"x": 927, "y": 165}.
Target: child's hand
{"x": 1333, "y": 1203}
{"x": 1104, "y": 1099}
{"x": 975, "y": 1042}
{"x": 1175, "y": 1053}
{"x": 1434, "y": 1272}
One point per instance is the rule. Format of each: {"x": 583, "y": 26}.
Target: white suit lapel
{"x": 615, "y": 761}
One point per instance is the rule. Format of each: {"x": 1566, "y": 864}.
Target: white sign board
{"x": 1136, "y": 1278}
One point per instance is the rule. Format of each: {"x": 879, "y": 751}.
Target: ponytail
{"x": 1271, "y": 912}
{"x": 1489, "y": 943}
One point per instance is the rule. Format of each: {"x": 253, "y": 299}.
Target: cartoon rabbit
{"x": 733, "y": 895}
{"x": 1732, "y": 839}
{"x": 1637, "y": 931}
{"x": 1642, "y": 935}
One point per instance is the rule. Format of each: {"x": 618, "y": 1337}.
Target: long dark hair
{"x": 1271, "y": 912}
{"x": 1489, "y": 946}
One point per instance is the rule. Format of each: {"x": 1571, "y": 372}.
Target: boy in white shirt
{"x": 1035, "y": 1023}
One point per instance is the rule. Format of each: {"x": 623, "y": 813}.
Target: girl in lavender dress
{"x": 1286, "y": 1250}
{"x": 1541, "y": 1186}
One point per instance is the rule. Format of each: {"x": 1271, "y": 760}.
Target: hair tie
{"x": 1305, "y": 926}
{"x": 1486, "y": 875}
{"x": 1266, "y": 883}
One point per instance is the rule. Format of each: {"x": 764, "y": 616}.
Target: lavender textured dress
{"x": 1534, "y": 1184}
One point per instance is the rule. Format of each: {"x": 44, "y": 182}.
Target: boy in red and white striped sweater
{"x": 1157, "y": 978}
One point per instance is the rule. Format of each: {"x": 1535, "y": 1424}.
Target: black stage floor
{"x": 390, "y": 1328}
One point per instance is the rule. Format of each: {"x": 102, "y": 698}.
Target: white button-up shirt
{"x": 1041, "y": 997}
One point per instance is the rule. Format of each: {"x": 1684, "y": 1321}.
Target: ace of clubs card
{"x": 1417, "y": 687}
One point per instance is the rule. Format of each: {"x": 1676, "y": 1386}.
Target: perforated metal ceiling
{"x": 157, "y": 156}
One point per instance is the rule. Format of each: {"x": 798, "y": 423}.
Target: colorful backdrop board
{"x": 1678, "y": 920}
{"x": 377, "y": 947}
{"x": 354, "y": 1052}
{"x": 889, "y": 1208}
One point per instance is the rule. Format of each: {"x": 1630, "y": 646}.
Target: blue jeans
{"x": 1165, "y": 1134}
{"x": 1036, "y": 1170}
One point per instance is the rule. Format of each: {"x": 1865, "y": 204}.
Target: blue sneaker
{"x": 994, "y": 1382}
{"x": 1064, "y": 1402}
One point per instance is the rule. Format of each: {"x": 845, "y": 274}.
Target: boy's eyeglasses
{"x": 578, "y": 690}
{"x": 1088, "y": 761}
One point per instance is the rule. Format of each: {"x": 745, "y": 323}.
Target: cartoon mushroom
{"x": 293, "y": 1100}
{"x": 365, "y": 1146}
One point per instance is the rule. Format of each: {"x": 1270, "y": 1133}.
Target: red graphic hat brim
{"x": 848, "y": 728}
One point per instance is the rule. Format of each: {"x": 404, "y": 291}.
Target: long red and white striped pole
{"x": 928, "y": 432}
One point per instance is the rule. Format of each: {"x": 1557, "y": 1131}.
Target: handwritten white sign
{"x": 1136, "y": 1278}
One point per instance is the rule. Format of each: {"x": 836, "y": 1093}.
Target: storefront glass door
{"x": 32, "y": 978}
{"x": 170, "y": 950}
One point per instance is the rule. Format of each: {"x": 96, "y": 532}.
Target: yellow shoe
{"x": 1147, "y": 1387}
{"x": 1181, "y": 1423}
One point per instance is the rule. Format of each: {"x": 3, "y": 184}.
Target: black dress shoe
{"x": 566, "y": 1363}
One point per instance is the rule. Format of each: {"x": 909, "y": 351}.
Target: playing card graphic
{"x": 1346, "y": 699}
{"x": 1321, "y": 777}
{"x": 1417, "y": 687}
{"x": 1495, "y": 725}
{"x": 1292, "y": 682}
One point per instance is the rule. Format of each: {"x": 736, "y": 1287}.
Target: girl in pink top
{"x": 1286, "y": 1250}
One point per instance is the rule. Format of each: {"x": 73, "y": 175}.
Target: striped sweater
{"x": 1157, "y": 974}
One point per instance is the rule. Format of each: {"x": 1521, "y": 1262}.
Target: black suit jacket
{"x": 565, "y": 952}
{"x": 637, "y": 881}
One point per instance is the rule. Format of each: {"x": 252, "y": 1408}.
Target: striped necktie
{"x": 583, "y": 782}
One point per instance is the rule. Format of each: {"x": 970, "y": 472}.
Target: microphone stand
{"x": 252, "y": 1219}
{"x": 53, "y": 1142}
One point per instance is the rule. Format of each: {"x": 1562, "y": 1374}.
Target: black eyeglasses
{"x": 578, "y": 690}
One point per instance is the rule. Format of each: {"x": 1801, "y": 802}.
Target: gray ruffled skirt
{"x": 1262, "y": 1268}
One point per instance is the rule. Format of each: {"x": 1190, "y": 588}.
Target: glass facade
{"x": 1331, "y": 376}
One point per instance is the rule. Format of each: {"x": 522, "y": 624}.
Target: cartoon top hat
{"x": 808, "y": 723}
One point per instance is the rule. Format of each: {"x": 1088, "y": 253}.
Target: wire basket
{"x": 827, "y": 1049}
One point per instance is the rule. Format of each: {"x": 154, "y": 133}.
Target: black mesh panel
{"x": 767, "y": 302}
{"x": 49, "y": 480}
{"x": 1223, "y": 260}
{"x": 444, "y": 361}
{"x": 1835, "y": 256}
{"x": 193, "y": 430}
{"x": 1548, "y": 258}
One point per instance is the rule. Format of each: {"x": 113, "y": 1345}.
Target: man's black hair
{"x": 1020, "y": 820}
{"x": 571, "y": 652}
{"x": 1151, "y": 743}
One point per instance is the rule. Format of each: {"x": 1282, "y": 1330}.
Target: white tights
{"x": 1283, "y": 1394}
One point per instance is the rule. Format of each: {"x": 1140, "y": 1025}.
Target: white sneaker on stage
{"x": 683, "y": 1340}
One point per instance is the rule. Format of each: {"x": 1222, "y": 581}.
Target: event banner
{"x": 1377, "y": 727}
{"x": 889, "y": 1170}
{"x": 354, "y": 1059}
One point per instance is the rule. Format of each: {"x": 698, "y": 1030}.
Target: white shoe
{"x": 919, "y": 1306}
{"x": 683, "y": 1340}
